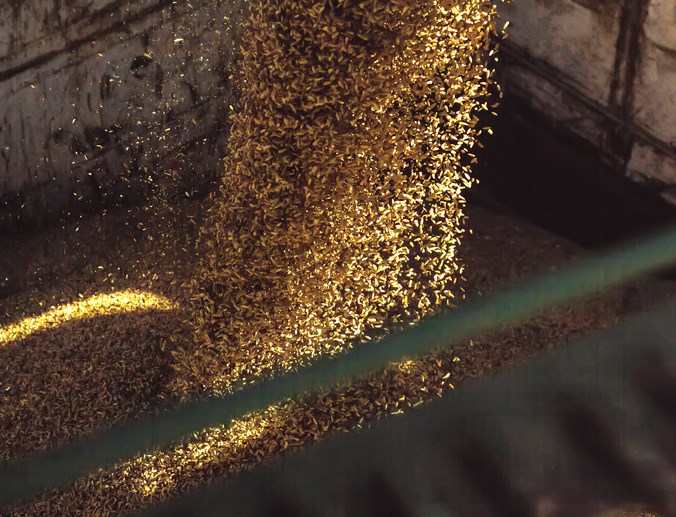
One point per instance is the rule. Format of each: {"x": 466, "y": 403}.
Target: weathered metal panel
{"x": 655, "y": 103}
{"x": 656, "y": 93}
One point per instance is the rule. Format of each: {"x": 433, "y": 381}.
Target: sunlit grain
{"x": 98, "y": 305}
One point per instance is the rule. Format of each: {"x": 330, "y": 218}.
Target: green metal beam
{"x": 582, "y": 430}
{"x": 59, "y": 468}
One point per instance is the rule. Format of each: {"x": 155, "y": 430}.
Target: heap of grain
{"x": 339, "y": 213}
{"x": 338, "y": 218}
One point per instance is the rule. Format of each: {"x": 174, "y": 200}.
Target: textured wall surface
{"x": 604, "y": 70}
{"x": 106, "y": 99}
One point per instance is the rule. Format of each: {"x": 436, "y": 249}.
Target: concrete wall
{"x": 103, "y": 100}
{"x": 605, "y": 71}
{"x": 106, "y": 99}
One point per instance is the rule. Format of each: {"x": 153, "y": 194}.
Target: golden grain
{"x": 338, "y": 218}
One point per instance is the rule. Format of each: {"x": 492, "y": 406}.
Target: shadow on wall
{"x": 561, "y": 182}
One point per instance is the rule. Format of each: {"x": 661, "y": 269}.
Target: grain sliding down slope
{"x": 502, "y": 249}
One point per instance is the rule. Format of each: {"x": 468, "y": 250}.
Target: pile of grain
{"x": 338, "y": 217}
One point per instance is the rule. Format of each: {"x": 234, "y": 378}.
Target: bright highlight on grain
{"x": 98, "y": 305}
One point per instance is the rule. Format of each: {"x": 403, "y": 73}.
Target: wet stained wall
{"x": 103, "y": 101}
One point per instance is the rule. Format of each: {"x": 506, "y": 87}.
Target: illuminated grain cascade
{"x": 338, "y": 217}
{"x": 340, "y": 210}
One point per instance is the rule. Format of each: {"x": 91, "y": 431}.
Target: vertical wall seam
{"x": 624, "y": 75}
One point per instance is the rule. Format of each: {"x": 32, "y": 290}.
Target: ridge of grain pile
{"x": 339, "y": 213}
